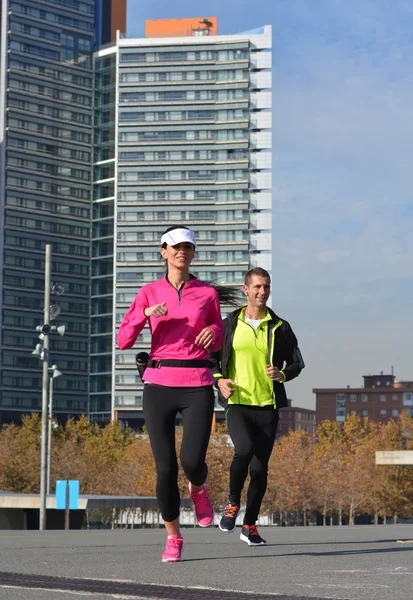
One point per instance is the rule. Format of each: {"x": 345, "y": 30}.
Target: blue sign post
{"x": 67, "y": 497}
{"x": 73, "y": 494}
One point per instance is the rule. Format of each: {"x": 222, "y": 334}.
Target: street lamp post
{"x": 45, "y": 385}
{"x": 42, "y": 352}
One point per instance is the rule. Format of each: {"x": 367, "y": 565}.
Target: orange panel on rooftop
{"x": 199, "y": 26}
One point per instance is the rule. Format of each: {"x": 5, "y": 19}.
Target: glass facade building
{"x": 103, "y": 227}
{"x": 100, "y": 151}
{"x": 46, "y": 163}
{"x": 182, "y": 134}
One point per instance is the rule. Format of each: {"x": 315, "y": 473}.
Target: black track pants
{"x": 161, "y": 405}
{"x": 252, "y": 430}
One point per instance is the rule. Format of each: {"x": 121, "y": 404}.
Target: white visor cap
{"x": 177, "y": 236}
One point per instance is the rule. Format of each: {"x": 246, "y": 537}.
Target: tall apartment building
{"x": 168, "y": 130}
{"x": 46, "y": 137}
{"x": 182, "y": 135}
{"x": 380, "y": 399}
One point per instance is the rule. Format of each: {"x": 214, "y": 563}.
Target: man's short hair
{"x": 256, "y": 271}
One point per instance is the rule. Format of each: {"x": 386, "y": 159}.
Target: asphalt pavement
{"x": 344, "y": 563}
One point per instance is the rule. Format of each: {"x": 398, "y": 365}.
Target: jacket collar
{"x": 235, "y": 314}
{"x": 191, "y": 281}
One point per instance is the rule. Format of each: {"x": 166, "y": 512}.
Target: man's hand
{"x": 226, "y": 387}
{"x": 157, "y": 310}
{"x": 205, "y": 338}
{"x": 275, "y": 374}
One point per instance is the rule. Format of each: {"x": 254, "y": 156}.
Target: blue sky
{"x": 342, "y": 176}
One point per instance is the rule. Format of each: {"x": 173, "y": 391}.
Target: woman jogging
{"x": 185, "y": 322}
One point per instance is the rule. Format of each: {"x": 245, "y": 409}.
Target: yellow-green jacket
{"x": 283, "y": 353}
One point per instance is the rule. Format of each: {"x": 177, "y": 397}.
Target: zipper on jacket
{"x": 271, "y": 345}
{"x": 179, "y": 292}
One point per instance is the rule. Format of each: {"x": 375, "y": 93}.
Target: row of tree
{"x": 333, "y": 474}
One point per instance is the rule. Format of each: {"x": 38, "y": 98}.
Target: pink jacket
{"x": 194, "y": 307}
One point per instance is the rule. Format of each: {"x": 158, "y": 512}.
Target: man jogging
{"x": 259, "y": 354}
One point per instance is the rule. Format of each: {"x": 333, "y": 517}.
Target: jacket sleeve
{"x": 215, "y": 359}
{"x": 293, "y": 358}
{"x": 133, "y": 322}
{"x": 215, "y": 322}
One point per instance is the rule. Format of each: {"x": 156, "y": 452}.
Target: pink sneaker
{"x": 173, "y": 549}
{"x": 204, "y": 510}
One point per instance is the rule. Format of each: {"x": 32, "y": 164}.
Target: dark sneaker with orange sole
{"x": 249, "y": 534}
{"x": 227, "y": 522}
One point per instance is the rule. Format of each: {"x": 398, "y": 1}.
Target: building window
{"x": 364, "y": 397}
{"x": 353, "y": 397}
{"x": 407, "y": 399}
{"x": 353, "y": 413}
{"x": 395, "y": 397}
{"x": 382, "y": 397}
{"x": 394, "y": 412}
{"x": 340, "y": 400}
{"x": 340, "y": 414}
{"x": 383, "y": 412}
{"x": 364, "y": 413}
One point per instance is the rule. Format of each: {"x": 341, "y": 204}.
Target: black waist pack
{"x": 141, "y": 362}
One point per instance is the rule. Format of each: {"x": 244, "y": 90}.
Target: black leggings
{"x": 252, "y": 430}
{"x": 161, "y": 405}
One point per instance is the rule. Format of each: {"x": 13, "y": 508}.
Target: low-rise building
{"x": 381, "y": 398}
{"x": 296, "y": 418}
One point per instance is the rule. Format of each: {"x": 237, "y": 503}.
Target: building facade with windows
{"x": 295, "y": 418}
{"x": 100, "y": 151}
{"x": 46, "y": 139}
{"x": 382, "y": 398}
{"x": 182, "y": 136}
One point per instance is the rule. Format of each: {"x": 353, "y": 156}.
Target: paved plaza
{"x": 346, "y": 563}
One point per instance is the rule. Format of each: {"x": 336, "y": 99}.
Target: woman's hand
{"x": 205, "y": 338}
{"x": 157, "y": 310}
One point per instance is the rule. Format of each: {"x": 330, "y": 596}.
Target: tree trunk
{"x": 304, "y": 518}
{"x": 331, "y": 520}
{"x": 281, "y": 518}
{"x": 384, "y": 519}
{"x": 113, "y": 518}
{"x": 340, "y": 516}
{"x": 325, "y": 514}
{"x": 351, "y": 515}
{"x": 376, "y": 518}
{"x": 396, "y": 518}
